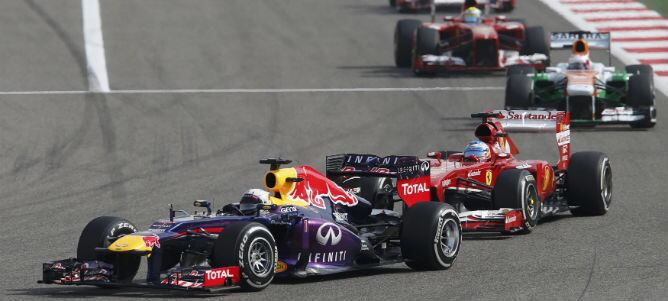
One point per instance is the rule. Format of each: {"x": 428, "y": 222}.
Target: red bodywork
{"x": 453, "y": 175}
{"x": 482, "y": 46}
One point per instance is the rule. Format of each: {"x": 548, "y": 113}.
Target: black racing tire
{"x": 516, "y": 189}
{"x": 431, "y": 235}
{"x": 403, "y": 41}
{"x": 519, "y": 92}
{"x": 506, "y": 7}
{"x": 640, "y": 95}
{"x": 536, "y": 42}
{"x": 520, "y": 69}
{"x": 589, "y": 183}
{"x": 96, "y": 235}
{"x": 233, "y": 247}
{"x": 426, "y": 42}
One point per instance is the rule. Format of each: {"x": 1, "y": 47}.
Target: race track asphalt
{"x": 67, "y": 158}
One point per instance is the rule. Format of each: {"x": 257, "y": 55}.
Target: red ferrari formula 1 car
{"x": 469, "y": 43}
{"x": 406, "y": 6}
{"x": 499, "y": 193}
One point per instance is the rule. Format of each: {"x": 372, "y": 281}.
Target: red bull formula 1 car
{"x": 501, "y": 194}
{"x": 303, "y": 224}
{"x": 491, "y": 44}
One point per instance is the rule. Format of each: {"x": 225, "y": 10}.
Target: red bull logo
{"x": 151, "y": 241}
{"x": 315, "y": 187}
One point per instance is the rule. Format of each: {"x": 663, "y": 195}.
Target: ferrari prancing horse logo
{"x": 488, "y": 177}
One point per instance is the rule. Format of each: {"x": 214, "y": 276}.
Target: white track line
{"x": 98, "y": 81}
{"x": 246, "y": 91}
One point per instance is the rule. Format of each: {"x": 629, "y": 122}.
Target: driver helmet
{"x": 579, "y": 62}
{"x": 477, "y": 150}
{"x": 472, "y": 15}
{"x": 251, "y": 198}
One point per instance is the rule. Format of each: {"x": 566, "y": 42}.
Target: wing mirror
{"x": 448, "y": 18}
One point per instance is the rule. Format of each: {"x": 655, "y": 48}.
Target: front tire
{"x": 431, "y": 235}
{"x": 97, "y": 234}
{"x": 252, "y": 247}
{"x": 516, "y": 189}
{"x": 426, "y": 42}
{"x": 403, "y": 41}
{"x": 589, "y": 183}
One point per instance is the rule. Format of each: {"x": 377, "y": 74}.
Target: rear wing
{"x": 557, "y": 122}
{"x": 412, "y": 174}
{"x": 367, "y": 165}
{"x": 596, "y": 40}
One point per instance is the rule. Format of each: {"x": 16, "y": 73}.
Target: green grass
{"x": 660, "y": 6}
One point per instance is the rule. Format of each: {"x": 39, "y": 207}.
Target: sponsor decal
{"x": 151, "y": 241}
{"x": 524, "y": 165}
{"x": 288, "y": 209}
{"x": 316, "y": 188}
{"x": 409, "y": 189}
{"x": 340, "y": 216}
{"x": 563, "y": 137}
{"x": 354, "y": 190}
{"x": 217, "y": 277}
{"x": 327, "y": 257}
{"x": 529, "y": 115}
{"x": 474, "y": 173}
{"x": 488, "y": 177}
{"x": 281, "y": 267}
{"x": 328, "y": 234}
{"x": 446, "y": 182}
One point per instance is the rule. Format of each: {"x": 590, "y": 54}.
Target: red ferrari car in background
{"x": 405, "y": 6}
{"x": 498, "y": 194}
{"x": 460, "y": 44}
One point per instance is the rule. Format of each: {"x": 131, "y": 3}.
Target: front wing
{"x": 501, "y": 220}
{"x": 74, "y": 272}
{"x": 445, "y": 62}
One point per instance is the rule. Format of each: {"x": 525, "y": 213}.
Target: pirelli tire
{"x": 252, "y": 247}
{"x": 535, "y": 42}
{"x": 431, "y": 235}
{"x": 520, "y": 69}
{"x": 519, "y": 92}
{"x": 589, "y": 183}
{"x": 516, "y": 189}
{"x": 403, "y": 41}
{"x": 426, "y": 42}
{"x": 640, "y": 95}
{"x": 102, "y": 232}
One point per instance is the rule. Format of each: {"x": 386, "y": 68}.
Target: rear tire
{"x": 252, "y": 247}
{"x": 520, "y": 69}
{"x": 95, "y": 235}
{"x": 589, "y": 183}
{"x": 516, "y": 189}
{"x": 535, "y": 42}
{"x": 431, "y": 235}
{"x": 519, "y": 92}
{"x": 403, "y": 41}
{"x": 640, "y": 95}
